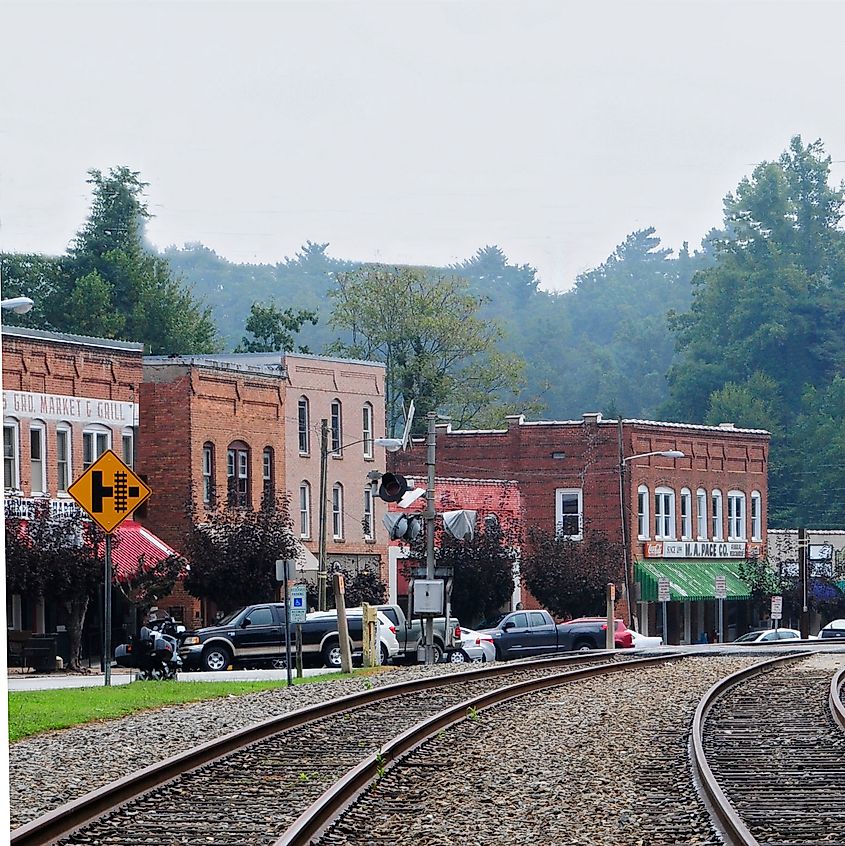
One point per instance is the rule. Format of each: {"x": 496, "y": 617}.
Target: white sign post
{"x": 663, "y": 598}
{"x": 720, "y": 591}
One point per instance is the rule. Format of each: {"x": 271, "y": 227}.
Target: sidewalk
{"x": 58, "y": 680}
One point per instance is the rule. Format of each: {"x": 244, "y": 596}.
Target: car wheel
{"x": 216, "y": 658}
{"x": 459, "y": 657}
{"x": 385, "y": 655}
{"x": 331, "y": 654}
{"x": 438, "y": 653}
{"x": 583, "y": 645}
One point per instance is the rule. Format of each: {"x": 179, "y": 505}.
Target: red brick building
{"x": 688, "y": 519}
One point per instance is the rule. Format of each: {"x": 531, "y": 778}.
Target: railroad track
{"x": 768, "y": 751}
{"x": 252, "y": 785}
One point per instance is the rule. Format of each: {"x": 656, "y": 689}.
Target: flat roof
{"x": 78, "y": 340}
{"x": 213, "y": 362}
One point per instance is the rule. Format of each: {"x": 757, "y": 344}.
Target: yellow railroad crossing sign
{"x": 109, "y": 491}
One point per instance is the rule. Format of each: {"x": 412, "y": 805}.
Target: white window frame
{"x": 567, "y": 493}
{"x": 701, "y": 514}
{"x": 337, "y": 511}
{"x": 38, "y": 466}
{"x": 96, "y": 435}
{"x": 64, "y": 431}
{"x": 643, "y": 495}
{"x": 664, "y": 513}
{"x": 208, "y": 474}
{"x": 367, "y": 521}
{"x": 716, "y": 522}
{"x": 13, "y": 459}
{"x": 336, "y": 429}
{"x": 268, "y": 471}
{"x": 367, "y": 430}
{"x": 686, "y": 514}
{"x": 303, "y": 423}
{"x": 237, "y": 468}
{"x": 756, "y": 516}
{"x": 304, "y": 509}
{"x": 127, "y": 436}
{"x": 736, "y": 516}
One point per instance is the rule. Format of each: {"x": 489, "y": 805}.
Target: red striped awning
{"x": 137, "y": 545}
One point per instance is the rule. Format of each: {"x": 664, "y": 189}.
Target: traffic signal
{"x": 393, "y": 487}
{"x": 401, "y": 526}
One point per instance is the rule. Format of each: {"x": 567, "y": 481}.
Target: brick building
{"x": 688, "y": 519}
{"x": 67, "y": 399}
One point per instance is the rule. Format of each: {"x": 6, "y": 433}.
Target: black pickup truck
{"x": 522, "y": 634}
{"x": 255, "y": 636}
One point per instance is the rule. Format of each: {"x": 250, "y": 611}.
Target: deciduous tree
{"x": 274, "y": 329}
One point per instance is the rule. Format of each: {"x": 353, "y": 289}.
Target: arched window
{"x": 642, "y": 513}
{"x": 304, "y": 423}
{"x": 664, "y": 514}
{"x": 37, "y": 457}
{"x": 718, "y": 532}
{"x": 701, "y": 513}
{"x": 336, "y": 431}
{"x": 686, "y": 514}
{"x": 367, "y": 430}
{"x": 304, "y": 510}
{"x": 337, "y": 511}
{"x": 208, "y": 474}
{"x": 736, "y": 516}
{"x": 756, "y": 516}
{"x": 237, "y": 473}
{"x": 268, "y": 471}
{"x": 11, "y": 454}
{"x": 64, "y": 457}
{"x": 96, "y": 440}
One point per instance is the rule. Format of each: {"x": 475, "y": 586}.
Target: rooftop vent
{"x": 727, "y": 426}
{"x": 592, "y": 417}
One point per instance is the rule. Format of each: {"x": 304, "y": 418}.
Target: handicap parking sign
{"x": 298, "y": 605}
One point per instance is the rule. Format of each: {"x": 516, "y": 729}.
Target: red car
{"x": 622, "y": 637}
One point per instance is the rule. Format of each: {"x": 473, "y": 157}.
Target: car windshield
{"x": 492, "y": 622}
{"x": 230, "y": 618}
{"x": 747, "y": 637}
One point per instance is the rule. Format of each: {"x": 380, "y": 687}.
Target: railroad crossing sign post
{"x": 285, "y": 571}
{"x": 109, "y": 492}
{"x": 720, "y": 592}
{"x": 663, "y": 599}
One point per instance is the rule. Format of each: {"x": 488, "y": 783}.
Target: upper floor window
{"x": 686, "y": 514}
{"x": 701, "y": 513}
{"x": 95, "y": 441}
{"x": 127, "y": 441}
{"x": 304, "y": 424}
{"x": 367, "y": 520}
{"x": 718, "y": 533}
{"x": 237, "y": 473}
{"x": 11, "y": 455}
{"x": 569, "y": 512}
{"x": 736, "y": 515}
{"x": 37, "y": 462}
{"x": 367, "y": 430}
{"x": 267, "y": 474}
{"x": 337, "y": 512}
{"x": 208, "y": 474}
{"x": 664, "y": 513}
{"x": 304, "y": 510}
{"x": 336, "y": 431}
{"x": 756, "y": 516}
{"x": 642, "y": 512}
{"x": 64, "y": 464}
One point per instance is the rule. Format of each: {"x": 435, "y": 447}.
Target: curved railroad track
{"x": 768, "y": 751}
{"x": 251, "y": 785}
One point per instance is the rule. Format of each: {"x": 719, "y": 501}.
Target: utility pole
{"x": 321, "y": 565}
{"x": 802, "y": 572}
{"x": 430, "y": 515}
{"x": 623, "y": 512}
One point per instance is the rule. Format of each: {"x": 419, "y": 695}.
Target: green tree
{"x": 426, "y": 330}
{"x": 274, "y": 329}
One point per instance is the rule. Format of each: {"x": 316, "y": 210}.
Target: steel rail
{"x": 59, "y": 823}
{"x": 837, "y": 706}
{"x": 329, "y": 807}
{"x": 724, "y": 815}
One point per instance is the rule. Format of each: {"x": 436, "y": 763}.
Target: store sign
{"x": 24, "y": 509}
{"x": 694, "y": 549}
{"x": 29, "y": 404}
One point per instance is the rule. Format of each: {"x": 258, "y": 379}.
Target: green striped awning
{"x": 689, "y": 580}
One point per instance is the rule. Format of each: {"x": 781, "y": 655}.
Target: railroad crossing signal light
{"x": 393, "y": 487}
{"x": 401, "y": 526}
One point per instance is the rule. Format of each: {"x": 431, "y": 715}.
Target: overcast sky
{"x": 409, "y": 131}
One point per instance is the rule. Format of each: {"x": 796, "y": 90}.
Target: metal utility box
{"x": 429, "y": 597}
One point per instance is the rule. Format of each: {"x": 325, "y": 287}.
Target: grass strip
{"x": 33, "y": 712}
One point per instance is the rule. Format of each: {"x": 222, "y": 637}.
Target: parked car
{"x": 642, "y": 641}
{"x": 386, "y": 632}
{"x": 835, "y": 628}
{"x": 769, "y": 636}
{"x": 475, "y": 646}
{"x": 621, "y": 634}
{"x": 409, "y": 633}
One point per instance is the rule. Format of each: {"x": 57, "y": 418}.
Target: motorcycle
{"x": 153, "y": 651}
